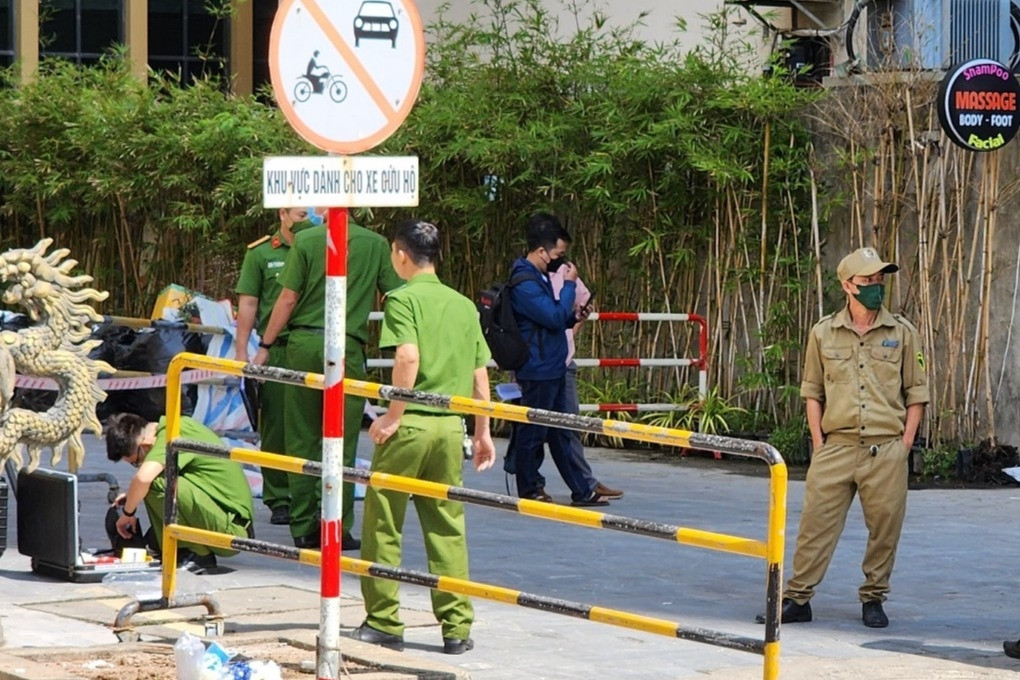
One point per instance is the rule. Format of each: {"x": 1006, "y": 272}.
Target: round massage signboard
{"x": 978, "y": 105}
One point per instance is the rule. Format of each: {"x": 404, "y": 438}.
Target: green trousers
{"x": 425, "y": 447}
{"x": 272, "y": 397}
{"x": 303, "y": 410}
{"x": 837, "y": 471}
{"x": 195, "y": 508}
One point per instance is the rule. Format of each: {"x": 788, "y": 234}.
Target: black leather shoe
{"x": 309, "y": 542}
{"x": 873, "y": 615}
{"x": 197, "y": 564}
{"x": 792, "y": 612}
{"x": 281, "y": 515}
{"x": 1012, "y": 649}
{"x": 367, "y": 633}
{"x": 348, "y": 542}
{"x": 594, "y": 499}
{"x": 539, "y": 495}
{"x": 455, "y": 646}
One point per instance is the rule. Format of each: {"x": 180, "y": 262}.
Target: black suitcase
{"x": 3, "y": 515}
{"x": 48, "y": 528}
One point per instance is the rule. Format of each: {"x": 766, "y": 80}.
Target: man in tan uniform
{"x": 865, "y": 388}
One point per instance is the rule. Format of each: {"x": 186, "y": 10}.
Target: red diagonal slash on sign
{"x": 393, "y": 110}
{"x": 352, "y": 60}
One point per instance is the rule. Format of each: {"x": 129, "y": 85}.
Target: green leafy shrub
{"x": 791, "y": 439}
{"x": 146, "y": 183}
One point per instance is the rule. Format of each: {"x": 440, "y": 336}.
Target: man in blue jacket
{"x": 542, "y": 319}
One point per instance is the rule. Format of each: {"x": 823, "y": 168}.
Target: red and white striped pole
{"x": 328, "y": 652}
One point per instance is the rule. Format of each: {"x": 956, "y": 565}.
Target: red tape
{"x": 146, "y": 382}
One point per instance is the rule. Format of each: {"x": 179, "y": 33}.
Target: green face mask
{"x": 871, "y": 296}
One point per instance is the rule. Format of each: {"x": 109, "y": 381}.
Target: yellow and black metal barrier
{"x": 771, "y": 550}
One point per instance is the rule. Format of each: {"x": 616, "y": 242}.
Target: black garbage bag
{"x": 33, "y": 400}
{"x": 148, "y": 350}
{"x": 12, "y": 321}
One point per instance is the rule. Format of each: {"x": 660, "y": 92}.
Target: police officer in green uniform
{"x": 301, "y": 309}
{"x": 257, "y": 290}
{"x": 212, "y": 493}
{"x": 439, "y": 348}
{"x": 865, "y": 388}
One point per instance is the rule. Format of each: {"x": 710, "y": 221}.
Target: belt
{"x": 433, "y": 414}
{"x": 847, "y": 439}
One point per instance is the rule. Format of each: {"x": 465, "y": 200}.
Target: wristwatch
{"x": 265, "y": 345}
{"x": 129, "y": 514}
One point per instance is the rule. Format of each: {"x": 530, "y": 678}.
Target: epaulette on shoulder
{"x": 258, "y": 242}
{"x": 388, "y": 293}
{"x": 905, "y": 322}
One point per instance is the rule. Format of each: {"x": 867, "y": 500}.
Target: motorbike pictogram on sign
{"x": 316, "y": 79}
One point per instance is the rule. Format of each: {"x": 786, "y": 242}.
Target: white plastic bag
{"x": 188, "y": 653}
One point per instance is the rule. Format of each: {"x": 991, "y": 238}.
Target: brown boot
{"x": 603, "y": 490}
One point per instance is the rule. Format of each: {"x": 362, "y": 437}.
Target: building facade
{"x": 183, "y": 36}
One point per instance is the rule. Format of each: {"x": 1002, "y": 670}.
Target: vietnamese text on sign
{"x": 361, "y": 181}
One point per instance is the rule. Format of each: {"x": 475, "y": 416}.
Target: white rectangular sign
{"x": 339, "y": 181}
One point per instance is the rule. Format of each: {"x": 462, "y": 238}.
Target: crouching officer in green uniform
{"x": 301, "y": 310}
{"x": 212, "y": 493}
{"x": 439, "y": 348}
{"x": 865, "y": 388}
{"x": 257, "y": 290}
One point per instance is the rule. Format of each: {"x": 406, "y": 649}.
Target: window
{"x": 78, "y": 30}
{"x": 6, "y": 32}
{"x": 185, "y": 38}
{"x": 262, "y": 26}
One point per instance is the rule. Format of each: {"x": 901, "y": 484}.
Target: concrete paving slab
{"x": 890, "y": 667}
{"x": 245, "y": 610}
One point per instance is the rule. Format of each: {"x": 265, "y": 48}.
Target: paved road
{"x": 953, "y": 599}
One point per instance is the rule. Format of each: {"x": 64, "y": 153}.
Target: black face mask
{"x": 555, "y": 264}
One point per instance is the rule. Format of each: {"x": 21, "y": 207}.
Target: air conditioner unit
{"x": 934, "y": 34}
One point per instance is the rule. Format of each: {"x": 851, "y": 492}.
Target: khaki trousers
{"x": 838, "y": 471}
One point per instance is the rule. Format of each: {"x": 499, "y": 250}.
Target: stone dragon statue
{"x": 56, "y": 347}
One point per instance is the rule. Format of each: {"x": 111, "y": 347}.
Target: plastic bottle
{"x": 188, "y": 653}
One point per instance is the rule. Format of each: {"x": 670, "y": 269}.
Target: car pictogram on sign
{"x": 376, "y": 20}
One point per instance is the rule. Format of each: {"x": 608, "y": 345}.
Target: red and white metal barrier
{"x": 632, "y": 408}
{"x": 700, "y": 362}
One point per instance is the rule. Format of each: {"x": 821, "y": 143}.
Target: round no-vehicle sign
{"x": 346, "y": 72}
